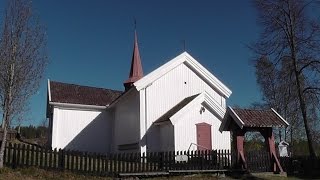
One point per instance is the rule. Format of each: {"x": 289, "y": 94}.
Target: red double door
{"x": 204, "y": 136}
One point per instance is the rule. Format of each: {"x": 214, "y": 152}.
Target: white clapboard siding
{"x": 172, "y": 88}
{"x": 185, "y": 130}
{"x": 84, "y": 130}
{"x": 127, "y": 121}
{"x": 166, "y": 137}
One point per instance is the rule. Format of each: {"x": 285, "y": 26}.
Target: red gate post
{"x": 270, "y": 143}
{"x": 239, "y": 139}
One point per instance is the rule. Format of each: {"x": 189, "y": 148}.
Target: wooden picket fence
{"x": 258, "y": 161}
{"x": 21, "y": 155}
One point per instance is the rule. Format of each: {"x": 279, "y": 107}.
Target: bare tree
{"x": 278, "y": 90}
{"x": 22, "y": 61}
{"x": 290, "y": 35}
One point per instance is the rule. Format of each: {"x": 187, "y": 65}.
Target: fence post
{"x": 5, "y": 153}
{"x": 161, "y": 159}
{"x": 37, "y": 156}
{"x": 61, "y": 159}
{"x": 28, "y": 155}
{"x": 94, "y": 163}
{"x": 18, "y": 154}
{"x": 41, "y": 157}
{"x": 14, "y": 165}
{"x": 72, "y": 154}
{"x": 9, "y": 154}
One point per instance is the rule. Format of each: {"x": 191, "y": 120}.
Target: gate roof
{"x": 252, "y": 118}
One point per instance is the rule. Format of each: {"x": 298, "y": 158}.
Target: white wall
{"x": 172, "y": 88}
{"x": 166, "y": 137}
{"x": 169, "y": 90}
{"x": 84, "y": 130}
{"x": 185, "y": 130}
{"x": 127, "y": 121}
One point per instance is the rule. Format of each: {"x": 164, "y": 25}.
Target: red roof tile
{"x": 77, "y": 94}
{"x": 259, "y": 118}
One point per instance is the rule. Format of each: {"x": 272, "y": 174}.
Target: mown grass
{"x": 36, "y": 173}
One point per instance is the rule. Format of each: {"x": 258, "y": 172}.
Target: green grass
{"x": 36, "y": 173}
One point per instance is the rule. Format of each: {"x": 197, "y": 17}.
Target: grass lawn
{"x": 35, "y": 173}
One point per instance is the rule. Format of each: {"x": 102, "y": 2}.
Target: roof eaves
{"x": 194, "y": 64}
{"x": 78, "y": 106}
{"x": 280, "y": 117}
{"x": 214, "y": 105}
{"x": 159, "y": 72}
{"x": 214, "y": 81}
{"x": 175, "y": 117}
{"x": 235, "y": 116}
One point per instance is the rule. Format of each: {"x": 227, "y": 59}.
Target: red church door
{"x": 204, "y": 136}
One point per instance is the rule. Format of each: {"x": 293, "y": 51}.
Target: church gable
{"x": 191, "y": 63}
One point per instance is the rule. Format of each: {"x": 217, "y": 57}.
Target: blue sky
{"x": 90, "y": 42}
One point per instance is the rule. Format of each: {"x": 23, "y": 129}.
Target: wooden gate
{"x": 258, "y": 161}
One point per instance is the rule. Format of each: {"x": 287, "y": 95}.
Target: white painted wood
{"x": 185, "y": 130}
{"x": 193, "y": 64}
{"x": 143, "y": 122}
{"x": 201, "y": 98}
{"x": 170, "y": 89}
{"x": 127, "y": 121}
{"x": 166, "y": 139}
{"x": 55, "y": 121}
{"x": 49, "y": 92}
{"x": 82, "y": 130}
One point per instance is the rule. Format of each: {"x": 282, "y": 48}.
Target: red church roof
{"x": 76, "y": 94}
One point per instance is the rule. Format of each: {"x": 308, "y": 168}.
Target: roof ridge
{"x": 86, "y": 86}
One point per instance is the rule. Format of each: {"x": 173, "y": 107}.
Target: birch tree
{"x": 22, "y": 61}
{"x": 291, "y": 36}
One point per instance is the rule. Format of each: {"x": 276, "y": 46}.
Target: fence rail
{"x": 21, "y": 155}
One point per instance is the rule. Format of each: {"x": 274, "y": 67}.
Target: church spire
{"x": 136, "y": 72}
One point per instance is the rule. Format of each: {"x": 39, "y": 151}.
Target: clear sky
{"x": 90, "y": 42}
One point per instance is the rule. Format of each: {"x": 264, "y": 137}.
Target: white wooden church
{"x": 178, "y": 106}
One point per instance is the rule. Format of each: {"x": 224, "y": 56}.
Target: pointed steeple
{"x": 136, "y": 72}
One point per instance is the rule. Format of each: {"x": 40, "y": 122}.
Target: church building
{"x": 178, "y": 106}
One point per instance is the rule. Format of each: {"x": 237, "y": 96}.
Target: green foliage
{"x": 30, "y": 132}
{"x": 300, "y": 148}
{"x": 254, "y": 145}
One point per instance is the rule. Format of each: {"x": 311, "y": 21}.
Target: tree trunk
{"x": 3, "y": 145}
{"x": 303, "y": 106}
{"x": 6, "y": 120}
{"x": 302, "y": 102}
